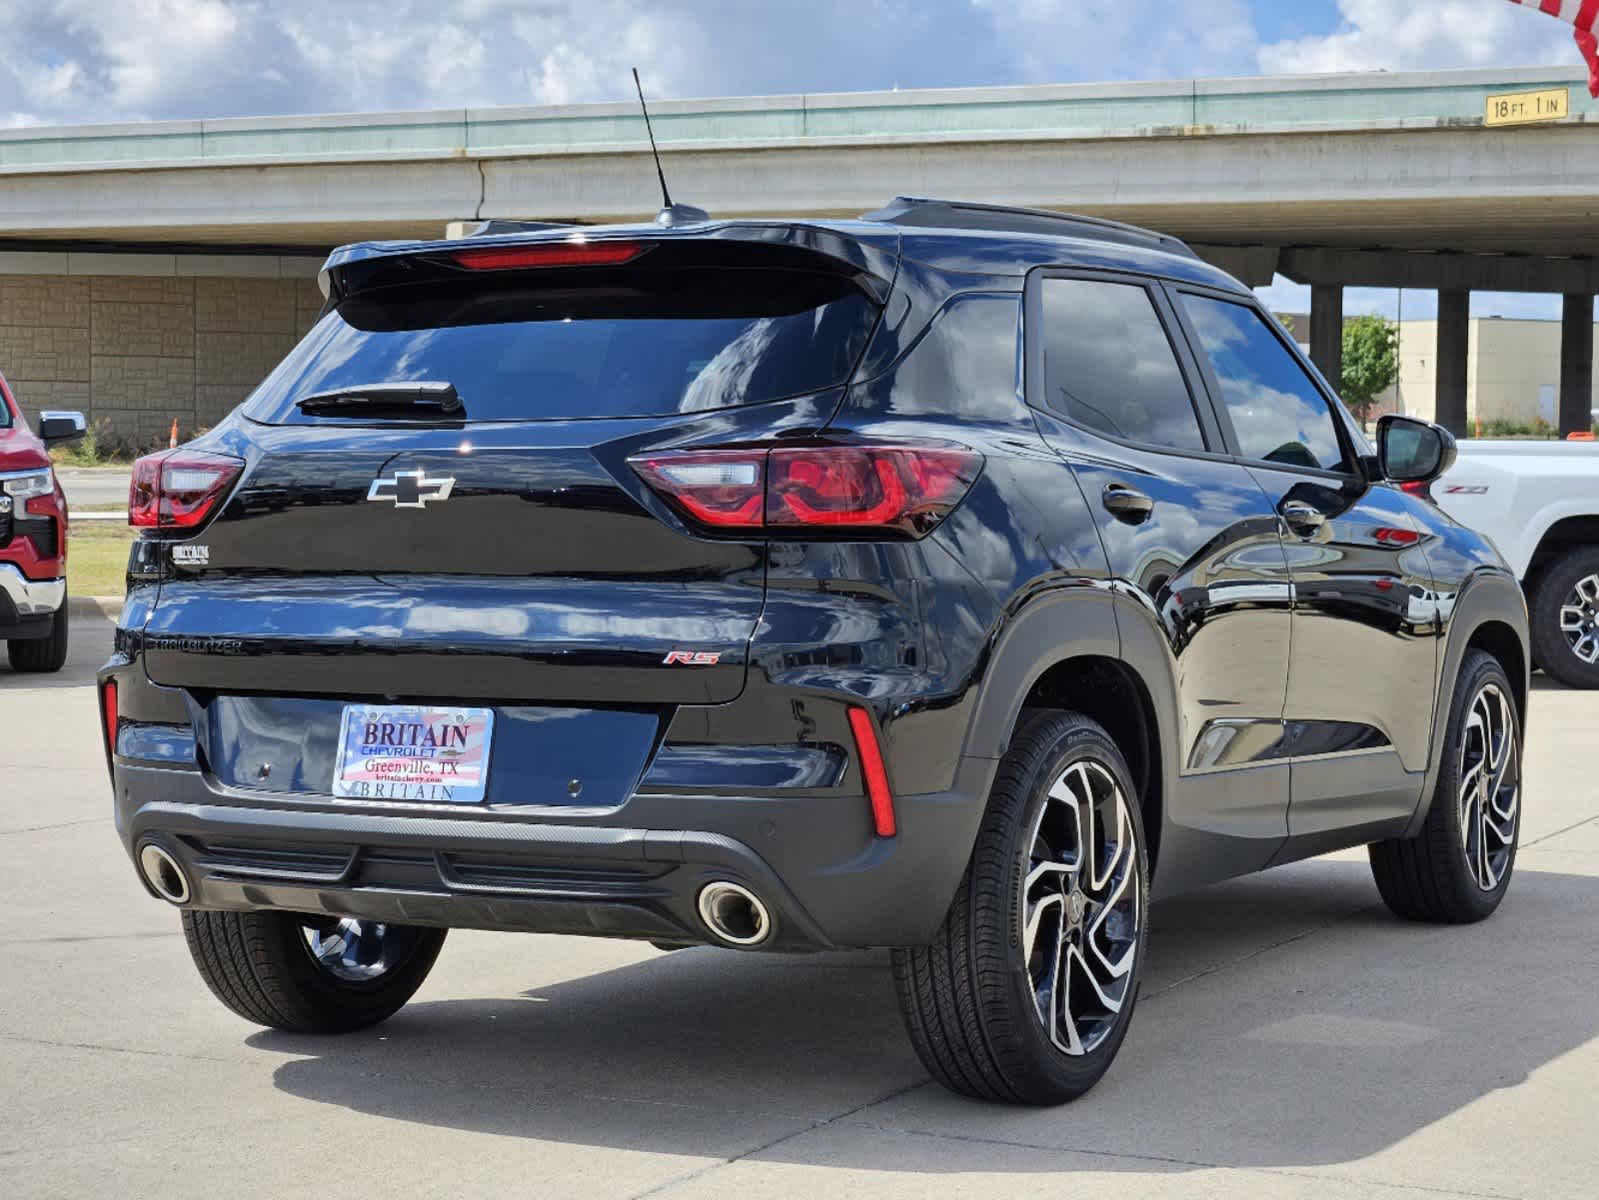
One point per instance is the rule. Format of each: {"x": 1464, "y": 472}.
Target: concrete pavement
{"x": 1293, "y": 1040}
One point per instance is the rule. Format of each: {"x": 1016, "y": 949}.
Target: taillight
{"x": 904, "y": 490}
{"x": 724, "y": 488}
{"x": 547, "y": 254}
{"x": 1417, "y": 487}
{"x": 179, "y": 489}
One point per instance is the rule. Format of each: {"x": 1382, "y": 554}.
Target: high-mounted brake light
{"x": 179, "y": 489}
{"x": 548, "y": 254}
{"x": 904, "y": 490}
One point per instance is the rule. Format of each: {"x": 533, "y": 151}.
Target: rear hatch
{"x": 383, "y": 543}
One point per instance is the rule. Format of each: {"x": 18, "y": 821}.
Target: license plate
{"x": 411, "y": 752}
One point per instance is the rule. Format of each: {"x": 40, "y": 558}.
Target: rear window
{"x": 559, "y": 344}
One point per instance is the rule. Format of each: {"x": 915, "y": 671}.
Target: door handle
{"x": 1127, "y": 504}
{"x": 1304, "y": 519}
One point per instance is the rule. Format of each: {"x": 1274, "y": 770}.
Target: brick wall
{"x": 136, "y": 353}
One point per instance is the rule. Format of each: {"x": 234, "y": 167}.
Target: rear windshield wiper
{"x": 422, "y": 399}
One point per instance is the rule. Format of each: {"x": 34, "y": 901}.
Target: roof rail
{"x": 959, "y": 214}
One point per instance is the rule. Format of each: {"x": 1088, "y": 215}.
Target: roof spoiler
{"x": 869, "y": 262}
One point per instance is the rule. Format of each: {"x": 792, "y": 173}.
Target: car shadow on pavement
{"x": 1286, "y": 1019}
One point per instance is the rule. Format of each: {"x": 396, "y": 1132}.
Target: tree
{"x": 1371, "y": 362}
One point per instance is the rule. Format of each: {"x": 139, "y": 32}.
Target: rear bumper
{"x": 605, "y": 877}
{"x": 27, "y": 606}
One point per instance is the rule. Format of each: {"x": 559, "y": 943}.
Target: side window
{"x": 1277, "y": 412}
{"x": 1109, "y": 365}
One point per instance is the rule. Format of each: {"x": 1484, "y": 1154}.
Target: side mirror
{"x": 1413, "y": 451}
{"x": 58, "y": 427}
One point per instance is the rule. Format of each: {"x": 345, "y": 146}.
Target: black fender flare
{"x": 1078, "y": 620}
{"x": 1490, "y": 595}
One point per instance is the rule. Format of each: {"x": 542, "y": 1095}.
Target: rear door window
{"x": 1109, "y": 365}
{"x": 1278, "y": 413}
{"x": 625, "y": 343}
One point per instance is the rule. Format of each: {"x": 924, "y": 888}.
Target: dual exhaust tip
{"x": 734, "y": 914}
{"x": 164, "y": 874}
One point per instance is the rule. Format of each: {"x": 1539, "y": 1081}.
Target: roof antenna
{"x": 671, "y": 214}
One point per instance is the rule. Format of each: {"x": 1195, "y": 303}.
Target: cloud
{"x": 1382, "y": 35}
{"x": 112, "y": 60}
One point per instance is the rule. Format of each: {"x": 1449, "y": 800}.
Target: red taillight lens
{"x": 550, "y": 254}
{"x": 1417, "y": 488}
{"x": 873, "y": 772}
{"x": 884, "y": 487}
{"x": 179, "y": 489}
{"x": 899, "y": 489}
{"x": 108, "y": 707}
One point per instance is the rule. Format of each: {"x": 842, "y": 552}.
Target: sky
{"x": 86, "y": 61}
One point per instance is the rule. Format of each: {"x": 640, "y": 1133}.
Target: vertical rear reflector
{"x": 108, "y": 708}
{"x": 873, "y": 772}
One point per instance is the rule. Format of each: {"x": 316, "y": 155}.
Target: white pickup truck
{"x": 1539, "y": 502}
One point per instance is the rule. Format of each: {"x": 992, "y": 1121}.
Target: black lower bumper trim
{"x": 604, "y": 882}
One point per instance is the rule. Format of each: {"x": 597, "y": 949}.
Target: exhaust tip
{"x": 162, "y": 872}
{"x": 734, "y": 914}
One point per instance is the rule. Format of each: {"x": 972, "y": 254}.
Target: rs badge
{"x": 691, "y": 658}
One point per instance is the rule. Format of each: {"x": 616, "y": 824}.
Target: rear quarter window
{"x": 625, "y": 343}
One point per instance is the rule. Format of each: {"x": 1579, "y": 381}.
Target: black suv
{"x": 951, "y": 580}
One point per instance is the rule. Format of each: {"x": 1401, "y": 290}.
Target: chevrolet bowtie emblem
{"x": 411, "y": 489}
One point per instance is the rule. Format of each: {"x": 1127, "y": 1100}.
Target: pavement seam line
{"x": 45, "y": 828}
{"x": 1254, "y": 954}
{"x": 1172, "y": 1160}
{"x": 63, "y": 1045}
{"x": 812, "y": 1127}
{"x": 1557, "y": 833}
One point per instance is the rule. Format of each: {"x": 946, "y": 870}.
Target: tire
{"x": 969, "y": 999}
{"x": 262, "y": 966}
{"x": 1441, "y": 875}
{"x": 1574, "y": 576}
{"x": 37, "y": 656}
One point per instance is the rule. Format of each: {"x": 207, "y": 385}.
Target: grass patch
{"x": 97, "y": 557}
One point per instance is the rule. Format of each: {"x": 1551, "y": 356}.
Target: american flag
{"x": 1583, "y": 16}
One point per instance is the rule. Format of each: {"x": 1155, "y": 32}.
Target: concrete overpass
{"x": 1355, "y": 180}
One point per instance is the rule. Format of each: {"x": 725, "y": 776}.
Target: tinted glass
{"x": 640, "y": 343}
{"x": 1278, "y": 414}
{"x": 1109, "y": 365}
{"x": 968, "y": 363}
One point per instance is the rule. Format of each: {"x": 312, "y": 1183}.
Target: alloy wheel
{"x": 1490, "y": 786}
{"x": 357, "y": 951}
{"x": 1082, "y": 907}
{"x": 1579, "y": 619}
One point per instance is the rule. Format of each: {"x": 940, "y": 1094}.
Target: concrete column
{"x": 1327, "y": 331}
{"x": 1576, "y": 365}
{"x": 1454, "y": 339}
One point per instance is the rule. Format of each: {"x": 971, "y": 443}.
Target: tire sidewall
{"x": 345, "y": 1003}
{"x": 1070, "y": 1075}
{"x": 1552, "y": 651}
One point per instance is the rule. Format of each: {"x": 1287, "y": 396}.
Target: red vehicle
{"x": 33, "y": 537}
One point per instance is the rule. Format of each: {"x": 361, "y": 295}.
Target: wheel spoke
{"x": 1489, "y": 786}
{"x": 1081, "y": 891}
